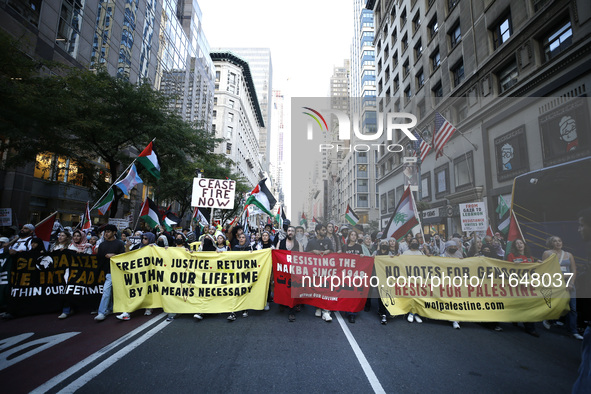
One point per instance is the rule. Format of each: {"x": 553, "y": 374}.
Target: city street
{"x": 265, "y": 352}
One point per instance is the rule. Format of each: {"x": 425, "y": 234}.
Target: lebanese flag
{"x": 86, "y": 222}
{"x": 262, "y": 198}
{"x": 44, "y": 228}
{"x": 150, "y": 213}
{"x": 149, "y": 159}
{"x": 403, "y": 219}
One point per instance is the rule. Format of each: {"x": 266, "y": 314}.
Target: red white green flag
{"x": 149, "y": 159}
{"x": 403, "y": 219}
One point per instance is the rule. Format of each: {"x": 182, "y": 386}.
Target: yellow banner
{"x": 474, "y": 289}
{"x": 182, "y": 282}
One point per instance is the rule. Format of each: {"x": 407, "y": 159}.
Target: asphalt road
{"x": 265, "y": 352}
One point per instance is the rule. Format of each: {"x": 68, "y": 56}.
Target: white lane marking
{"x": 371, "y": 376}
{"x": 75, "y": 368}
{"x": 91, "y": 374}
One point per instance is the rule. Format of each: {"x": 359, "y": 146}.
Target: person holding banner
{"x": 291, "y": 243}
{"x": 567, "y": 265}
{"x": 63, "y": 241}
{"x": 241, "y": 246}
{"x": 413, "y": 250}
{"x": 520, "y": 254}
{"x": 110, "y": 247}
{"x": 321, "y": 245}
{"x": 352, "y": 247}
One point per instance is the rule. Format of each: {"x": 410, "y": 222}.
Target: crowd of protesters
{"x": 107, "y": 241}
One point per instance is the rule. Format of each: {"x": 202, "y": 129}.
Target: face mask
{"x": 452, "y": 250}
{"x": 414, "y": 245}
{"x": 88, "y": 237}
{"x": 178, "y": 241}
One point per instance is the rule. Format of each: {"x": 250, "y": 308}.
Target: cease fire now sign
{"x": 213, "y": 193}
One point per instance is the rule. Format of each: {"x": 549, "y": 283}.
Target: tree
{"x": 96, "y": 120}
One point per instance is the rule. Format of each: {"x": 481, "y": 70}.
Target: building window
{"x": 391, "y": 201}
{"x": 228, "y": 148}
{"x": 508, "y": 76}
{"x": 362, "y": 201}
{"x": 407, "y": 94}
{"x": 68, "y": 33}
{"x": 217, "y": 75}
{"x": 231, "y": 103}
{"x": 464, "y": 171}
{"x": 230, "y": 117}
{"x": 362, "y": 186}
{"x": 229, "y": 130}
{"x": 403, "y": 18}
{"x": 451, "y": 4}
{"x": 455, "y": 35}
{"x": 426, "y": 186}
{"x": 435, "y": 60}
{"x": 405, "y": 69}
{"x": 416, "y": 22}
{"x": 458, "y": 73}
{"x": 502, "y": 31}
{"x": 418, "y": 50}
{"x": 395, "y": 59}
{"x": 404, "y": 42}
{"x": 437, "y": 90}
{"x": 433, "y": 27}
{"x": 215, "y": 101}
{"x": 441, "y": 180}
{"x": 396, "y": 84}
{"x": 215, "y": 113}
{"x": 361, "y": 157}
{"x": 384, "y": 203}
{"x": 420, "y": 79}
{"x": 362, "y": 171}
{"x": 557, "y": 41}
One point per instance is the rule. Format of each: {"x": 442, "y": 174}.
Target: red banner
{"x": 336, "y": 281}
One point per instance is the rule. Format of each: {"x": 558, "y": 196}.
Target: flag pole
{"x": 47, "y": 218}
{"x": 140, "y": 215}
{"x": 414, "y": 208}
{"x": 113, "y": 184}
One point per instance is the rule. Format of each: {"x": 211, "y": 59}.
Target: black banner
{"x": 43, "y": 283}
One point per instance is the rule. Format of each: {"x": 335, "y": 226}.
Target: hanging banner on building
{"x": 182, "y": 282}
{"x": 473, "y": 216}
{"x": 213, "y": 193}
{"x": 475, "y": 289}
{"x": 42, "y": 283}
{"x": 337, "y": 281}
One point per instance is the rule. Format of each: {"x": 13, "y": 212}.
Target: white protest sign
{"x": 473, "y": 216}
{"x": 213, "y": 193}
{"x": 5, "y": 216}
{"x": 120, "y": 223}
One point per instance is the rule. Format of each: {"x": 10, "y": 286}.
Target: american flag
{"x": 443, "y": 132}
{"x": 423, "y": 146}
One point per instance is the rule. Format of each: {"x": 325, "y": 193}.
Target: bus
{"x": 547, "y": 201}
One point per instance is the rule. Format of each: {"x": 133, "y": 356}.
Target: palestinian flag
{"x": 504, "y": 215}
{"x": 169, "y": 219}
{"x": 150, "y": 213}
{"x": 262, "y": 198}
{"x": 351, "y": 216}
{"x": 104, "y": 204}
{"x": 86, "y": 222}
{"x": 149, "y": 159}
{"x": 514, "y": 232}
{"x": 280, "y": 217}
{"x": 303, "y": 220}
{"x": 44, "y": 228}
{"x": 314, "y": 220}
{"x": 403, "y": 219}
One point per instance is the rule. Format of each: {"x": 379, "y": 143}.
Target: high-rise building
{"x": 357, "y": 169}
{"x": 237, "y": 115}
{"x": 501, "y": 72}
{"x": 140, "y": 41}
{"x": 261, "y": 68}
{"x": 277, "y": 165}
